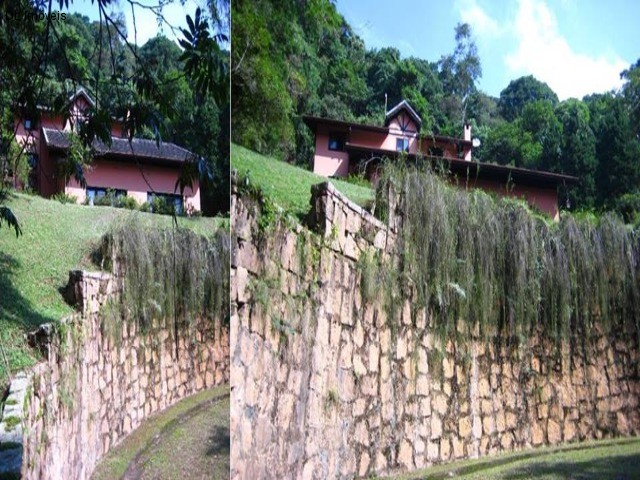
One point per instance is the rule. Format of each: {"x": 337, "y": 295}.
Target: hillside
{"x": 287, "y": 185}
{"x": 306, "y": 58}
{"x": 33, "y": 267}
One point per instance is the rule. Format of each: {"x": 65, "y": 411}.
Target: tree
{"x": 539, "y": 119}
{"x": 617, "y": 149}
{"x": 522, "y": 91}
{"x": 261, "y": 104}
{"x": 578, "y": 152}
{"x": 631, "y": 94}
{"x": 459, "y": 72}
{"x": 510, "y": 144}
{"x": 290, "y": 59}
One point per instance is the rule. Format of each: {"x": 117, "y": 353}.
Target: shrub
{"x": 14, "y": 166}
{"x": 357, "y": 179}
{"x": 107, "y": 200}
{"x": 628, "y": 205}
{"x": 125, "y": 201}
{"x": 63, "y": 198}
{"x": 493, "y": 264}
{"x": 170, "y": 273}
{"x": 162, "y": 206}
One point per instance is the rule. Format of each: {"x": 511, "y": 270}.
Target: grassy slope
{"x": 33, "y": 267}
{"x": 287, "y": 185}
{"x": 619, "y": 459}
{"x": 167, "y": 459}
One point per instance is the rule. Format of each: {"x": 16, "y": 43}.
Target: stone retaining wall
{"x": 99, "y": 381}
{"x": 326, "y": 385}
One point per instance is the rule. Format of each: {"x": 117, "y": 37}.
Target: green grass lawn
{"x": 617, "y": 459}
{"x": 287, "y": 185}
{"x": 176, "y": 443}
{"x": 35, "y": 266}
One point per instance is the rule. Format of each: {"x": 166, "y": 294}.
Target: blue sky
{"x": 146, "y": 22}
{"x": 577, "y": 47}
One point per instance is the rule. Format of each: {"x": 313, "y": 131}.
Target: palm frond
{"x": 6, "y": 215}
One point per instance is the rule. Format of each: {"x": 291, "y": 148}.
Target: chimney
{"x": 467, "y": 132}
{"x": 467, "y": 137}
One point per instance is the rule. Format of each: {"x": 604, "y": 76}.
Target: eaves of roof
{"x": 487, "y": 171}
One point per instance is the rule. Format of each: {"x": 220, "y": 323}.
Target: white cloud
{"x": 542, "y": 52}
{"x": 481, "y": 23}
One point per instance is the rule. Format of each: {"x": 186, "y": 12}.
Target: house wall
{"x": 384, "y": 141}
{"x": 370, "y": 139}
{"x": 450, "y": 150}
{"x": 395, "y": 132}
{"x": 544, "y": 199}
{"x": 46, "y": 181}
{"x": 329, "y": 162}
{"x": 137, "y": 180}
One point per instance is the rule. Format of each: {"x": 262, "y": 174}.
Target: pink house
{"x": 138, "y": 168}
{"x": 342, "y": 148}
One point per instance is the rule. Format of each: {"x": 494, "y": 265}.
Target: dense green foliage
{"x": 469, "y": 258}
{"x": 160, "y": 90}
{"x": 296, "y": 58}
{"x": 169, "y": 274}
{"x": 520, "y": 92}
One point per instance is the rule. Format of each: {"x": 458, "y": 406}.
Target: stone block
{"x": 422, "y": 385}
{"x": 458, "y": 447}
{"x": 445, "y": 449}
{"x": 405, "y": 455}
{"x": 358, "y": 366}
{"x": 374, "y": 357}
{"x": 622, "y": 424}
{"x": 484, "y": 390}
{"x": 501, "y": 421}
{"x": 448, "y": 368}
{"x": 569, "y": 433}
{"x": 488, "y": 425}
{"x": 433, "y": 451}
{"x": 359, "y": 407}
{"x": 401, "y": 348}
{"x": 436, "y": 427}
{"x": 440, "y": 403}
{"x": 554, "y": 433}
{"x": 464, "y": 427}
{"x": 506, "y": 441}
{"x": 365, "y": 461}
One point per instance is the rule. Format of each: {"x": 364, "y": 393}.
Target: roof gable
{"x": 395, "y": 111}
{"x": 82, "y": 93}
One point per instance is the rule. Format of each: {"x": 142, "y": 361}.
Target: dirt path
{"x": 187, "y": 441}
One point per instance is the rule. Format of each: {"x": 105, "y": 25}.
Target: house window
{"x": 337, "y": 141}
{"x": 103, "y": 196}
{"x": 33, "y": 160}
{"x": 402, "y": 144}
{"x": 164, "y": 203}
{"x": 436, "y": 152}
